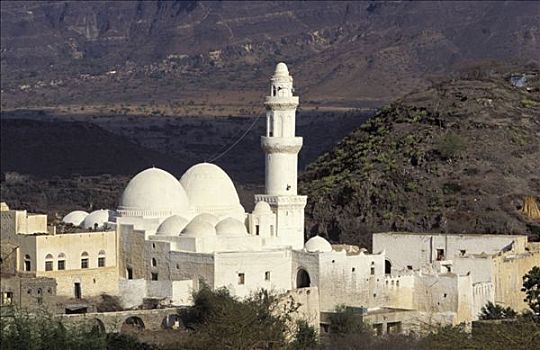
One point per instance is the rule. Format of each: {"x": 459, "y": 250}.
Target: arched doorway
{"x": 387, "y": 267}
{"x": 97, "y": 326}
{"x": 132, "y": 324}
{"x": 302, "y": 279}
{"x": 171, "y": 322}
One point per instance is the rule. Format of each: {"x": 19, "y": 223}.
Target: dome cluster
{"x": 204, "y": 188}
{"x": 95, "y": 220}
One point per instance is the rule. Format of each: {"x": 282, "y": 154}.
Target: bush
{"x": 451, "y": 145}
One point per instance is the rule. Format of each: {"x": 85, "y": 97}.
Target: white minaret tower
{"x": 281, "y": 147}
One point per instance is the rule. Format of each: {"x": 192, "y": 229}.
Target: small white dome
{"x": 153, "y": 193}
{"x": 208, "y": 218}
{"x": 198, "y": 229}
{"x": 262, "y": 208}
{"x": 231, "y": 227}
{"x": 281, "y": 69}
{"x": 172, "y": 226}
{"x": 75, "y": 218}
{"x": 97, "y": 219}
{"x": 211, "y": 190}
{"x": 318, "y": 244}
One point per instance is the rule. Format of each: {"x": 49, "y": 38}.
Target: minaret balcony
{"x": 281, "y": 144}
{"x": 281, "y": 103}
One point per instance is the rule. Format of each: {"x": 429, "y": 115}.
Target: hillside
{"x": 459, "y": 156}
{"x": 214, "y": 58}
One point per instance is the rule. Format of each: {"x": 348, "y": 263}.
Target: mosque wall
{"x": 399, "y": 290}
{"x": 131, "y": 252}
{"x": 247, "y": 271}
{"x": 417, "y": 250}
{"x": 157, "y": 261}
{"x": 509, "y": 270}
{"x": 182, "y": 292}
{"x": 195, "y": 267}
{"x": 354, "y": 280}
{"x": 131, "y": 292}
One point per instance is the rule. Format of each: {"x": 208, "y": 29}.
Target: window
{"x": 49, "y": 262}
{"x": 241, "y": 278}
{"x": 7, "y": 298}
{"x": 61, "y": 264}
{"x": 440, "y": 254}
{"x": 272, "y": 230}
{"x": 267, "y": 276}
{"x": 154, "y": 262}
{"x": 27, "y": 263}
{"x": 129, "y": 272}
{"x": 462, "y": 252}
{"x": 154, "y": 276}
{"x": 257, "y": 230}
{"x": 353, "y": 269}
{"x": 409, "y": 267}
{"x": 101, "y": 259}
{"x": 372, "y": 267}
{"x": 84, "y": 260}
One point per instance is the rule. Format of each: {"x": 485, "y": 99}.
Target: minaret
{"x": 281, "y": 147}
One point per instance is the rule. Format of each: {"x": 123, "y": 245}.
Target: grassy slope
{"x": 456, "y": 157}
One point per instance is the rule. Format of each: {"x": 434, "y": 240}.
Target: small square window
{"x": 48, "y": 265}
{"x": 101, "y": 262}
{"x": 154, "y": 276}
{"x": 463, "y": 252}
{"x": 409, "y": 267}
{"x": 84, "y": 263}
{"x": 353, "y": 269}
{"x": 267, "y": 276}
{"x": 61, "y": 264}
{"x": 373, "y": 270}
{"x": 241, "y": 278}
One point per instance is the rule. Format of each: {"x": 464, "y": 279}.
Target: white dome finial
{"x": 281, "y": 69}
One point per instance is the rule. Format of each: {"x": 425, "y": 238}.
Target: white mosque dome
{"x": 96, "y": 219}
{"x": 318, "y": 244}
{"x": 75, "y": 217}
{"x": 208, "y": 218}
{"x": 231, "y": 227}
{"x": 153, "y": 193}
{"x": 172, "y": 226}
{"x": 199, "y": 228}
{"x": 262, "y": 208}
{"x": 281, "y": 69}
{"x": 211, "y": 190}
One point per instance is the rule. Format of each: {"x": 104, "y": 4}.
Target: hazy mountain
{"x": 174, "y": 53}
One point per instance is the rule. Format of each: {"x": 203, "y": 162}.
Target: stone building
{"x": 168, "y": 236}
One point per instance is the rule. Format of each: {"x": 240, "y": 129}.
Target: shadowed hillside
{"x": 460, "y": 156}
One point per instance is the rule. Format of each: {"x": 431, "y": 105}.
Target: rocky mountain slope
{"x": 176, "y": 55}
{"x": 459, "y": 156}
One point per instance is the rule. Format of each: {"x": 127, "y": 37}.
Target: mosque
{"x": 169, "y": 235}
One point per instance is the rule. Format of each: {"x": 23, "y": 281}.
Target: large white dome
{"x": 318, "y": 244}
{"x": 211, "y": 190}
{"x": 75, "y": 218}
{"x": 97, "y": 219}
{"x": 153, "y": 193}
{"x": 172, "y": 226}
{"x": 231, "y": 227}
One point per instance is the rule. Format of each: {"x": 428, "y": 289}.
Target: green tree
{"x": 531, "y": 287}
{"x": 306, "y": 336}
{"x": 343, "y": 321}
{"x": 263, "y": 320}
{"x": 492, "y": 311}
